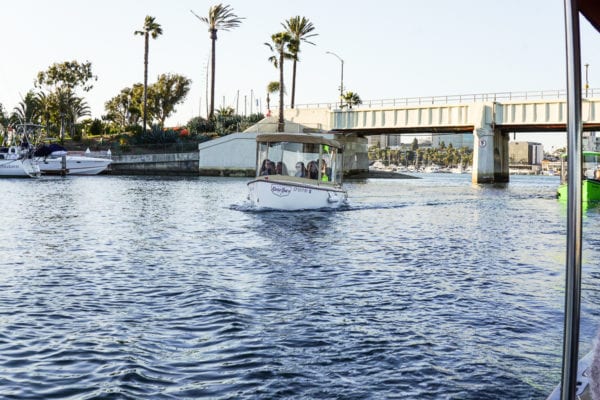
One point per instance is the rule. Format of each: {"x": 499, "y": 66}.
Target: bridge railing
{"x": 458, "y": 98}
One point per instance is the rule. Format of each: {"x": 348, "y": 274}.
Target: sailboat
{"x": 16, "y": 159}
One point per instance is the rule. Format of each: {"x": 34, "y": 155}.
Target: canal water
{"x": 172, "y": 288}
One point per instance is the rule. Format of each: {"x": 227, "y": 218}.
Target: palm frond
{"x": 220, "y": 17}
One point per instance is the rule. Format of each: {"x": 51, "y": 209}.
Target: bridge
{"x": 489, "y": 117}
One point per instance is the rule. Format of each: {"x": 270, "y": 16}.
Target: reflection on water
{"x": 129, "y": 287}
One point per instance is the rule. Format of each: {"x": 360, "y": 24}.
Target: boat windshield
{"x": 303, "y": 160}
{"x": 590, "y": 166}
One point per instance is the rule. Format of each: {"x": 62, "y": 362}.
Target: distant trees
{"x": 150, "y": 28}
{"x": 162, "y": 96}
{"x": 219, "y": 17}
{"x": 409, "y": 155}
{"x": 57, "y": 102}
{"x": 168, "y": 91}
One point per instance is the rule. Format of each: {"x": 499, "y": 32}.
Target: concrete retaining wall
{"x": 155, "y": 164}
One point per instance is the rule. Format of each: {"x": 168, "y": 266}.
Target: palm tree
{"x": 151, "y": 28}
{"x": 219, "y": 17}
{"x": 27, "y": 110}
{"x": 272, "y": 87}
{"x": 300, "y": 28}
{"x": 351, "y": 99}
{"x": 284, "y": 45}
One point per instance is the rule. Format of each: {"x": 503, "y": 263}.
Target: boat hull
{"x": 590, "y": 191}
{"x": 76, "y": 165}
{"x": 19, "y": 168}
{"x": 284, "y": 195}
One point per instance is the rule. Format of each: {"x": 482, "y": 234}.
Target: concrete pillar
{"x": 490, "y": 156}
{"x": 483, "y": 155}
{"x": 501, "y": 156}
{"x": 490, "y": 147}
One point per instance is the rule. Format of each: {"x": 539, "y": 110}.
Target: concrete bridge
{"x": 489, "y": 117}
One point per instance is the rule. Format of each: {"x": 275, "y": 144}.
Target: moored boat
{"x": 297, "y": 172}
{"x": 16, "y": 159}
{"x": 55, "y": 160}
{"x": 590, "y": 179}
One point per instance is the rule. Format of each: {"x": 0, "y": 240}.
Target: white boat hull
{"x": 76, "y": 165}
{"x": 283, "y": 195}
{"x": 19, "y": 168}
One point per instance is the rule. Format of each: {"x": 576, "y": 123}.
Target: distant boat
{"x": 432, "y": 169}
{"x": 458, "y": 170}
{"x": 590, "y": 180}
{"x": 297, "y": 172}
{"x": 50, "y": 159}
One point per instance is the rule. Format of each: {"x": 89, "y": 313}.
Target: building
{"x": 457, "y": 140}
{"x": 525, "y": 157}
{"x": 525, "y": 153}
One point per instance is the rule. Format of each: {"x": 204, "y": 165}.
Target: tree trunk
{"x": 281, "y": 124}
{"x": 293, "y": 85}
{"x": 146, "y": 40}
{"x": 213, "y": 37}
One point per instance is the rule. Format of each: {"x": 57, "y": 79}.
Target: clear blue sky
{"x": 391, "y": 48}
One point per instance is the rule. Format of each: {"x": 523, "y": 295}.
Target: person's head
{"x": 299, "y": 166}
{"x": 279, "y": 167}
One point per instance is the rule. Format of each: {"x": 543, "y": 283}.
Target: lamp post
{"x": 342, "y": 75}
{"x": 586, "y": 80}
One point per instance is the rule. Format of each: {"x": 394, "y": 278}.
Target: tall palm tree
{"x": 151, "y": 28}
{"x": 300, "y": 28}
{"x": 283, "y": 46}
{"x": 223, "y": 18}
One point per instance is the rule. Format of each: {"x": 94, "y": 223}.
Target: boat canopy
{"x": 296, "y": 138}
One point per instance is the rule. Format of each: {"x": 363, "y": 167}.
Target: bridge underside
{"x": 461, "y": 129}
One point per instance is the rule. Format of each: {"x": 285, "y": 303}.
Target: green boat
{"x": 590, "y": 180}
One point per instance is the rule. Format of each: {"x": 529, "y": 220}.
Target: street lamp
{"x": 342, "y": 79}
{"x": 586, "y": 80}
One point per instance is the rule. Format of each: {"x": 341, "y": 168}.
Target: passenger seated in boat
{"x": 281, "y": 169}
{"x": 300, "y": 169}
{"x": 267, "y": 167}
{"x": 597, "y": 174}
{"x": 324, "y": 171}
{"x": 313, "y": 170}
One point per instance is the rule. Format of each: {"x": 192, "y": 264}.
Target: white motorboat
{"x": 297, "y": 172}
{"x": 16, "y": 160}
{"x": 55, "y": 160}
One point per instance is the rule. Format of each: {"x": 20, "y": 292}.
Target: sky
{"x": 391, "y": 49}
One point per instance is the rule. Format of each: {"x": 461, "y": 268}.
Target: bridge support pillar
{"x": 490, "y": 155}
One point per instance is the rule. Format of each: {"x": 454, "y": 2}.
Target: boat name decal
{"x": 280, "y": 191}
{"x": 302, "y": 189}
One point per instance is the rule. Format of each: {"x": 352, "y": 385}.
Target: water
{"x": 163, "y": 288}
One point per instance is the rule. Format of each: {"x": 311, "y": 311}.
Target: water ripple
{"x": 131, "y": 288}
